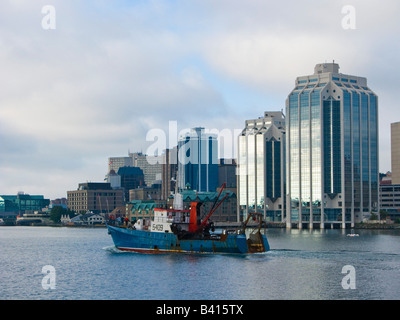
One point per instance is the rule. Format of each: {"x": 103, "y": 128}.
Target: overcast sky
{"x": 111, "y": 71}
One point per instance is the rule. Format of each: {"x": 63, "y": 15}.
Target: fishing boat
{"x": 184, "y": 231}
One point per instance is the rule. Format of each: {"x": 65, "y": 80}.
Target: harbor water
{"x": 45, "y": 263}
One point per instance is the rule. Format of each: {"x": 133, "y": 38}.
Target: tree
{"x": 373, "y": 216}
{"x": 383, "y": 214}
{"x": 57, "y": 211}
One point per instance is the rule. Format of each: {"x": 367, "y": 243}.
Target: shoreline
{"x": 268, "y": 225}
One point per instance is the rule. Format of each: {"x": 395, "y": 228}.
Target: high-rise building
{"x": 169, "y": 172}
{"x": 151, "y": 166}
{"x": 198, "y": 161}
{"x": 332, "y": 149}
{"x": 227, "y": 173}
{"x": 261, "y": 167}
{"x": 114, "y": 163}
{"x": 131, "y": 178}
{"x": 395, "y": 151}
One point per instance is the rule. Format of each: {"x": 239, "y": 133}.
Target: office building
{"x": 150, "y": 165}
{"x": 145, "y": 193}
{"x": 13, "y": 205}
{"x": 227, "y": 173}
{"x": 389, "y": 196}
{"x": 169, "y": 170}
{"x": 198, "y": 161}
{"x": 114, "y": 163}
{"x": 131, "y": 178}
{"x": 261, "y": 167}
{"x": 332, "y": 149}
{"x": 395, "y": 151}
{"x": 97, "y": 197}
{"x": 113, "y": 179}
{"x": 389, "y": 188}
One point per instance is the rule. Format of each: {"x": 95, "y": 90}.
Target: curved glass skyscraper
{"x": 332, "y": 149}
{"x": 261, "y": 164}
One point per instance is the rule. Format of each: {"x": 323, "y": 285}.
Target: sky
{"x": 91, "y": 79}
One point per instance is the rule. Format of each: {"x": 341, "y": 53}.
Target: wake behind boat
{"x": 184, "y": 231}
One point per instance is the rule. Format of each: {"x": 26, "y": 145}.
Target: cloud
{"x": 112, "y": 71}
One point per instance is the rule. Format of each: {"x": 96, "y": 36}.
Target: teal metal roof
{"x": 189, "y": 195}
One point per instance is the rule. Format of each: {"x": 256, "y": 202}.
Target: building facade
{"x": 332, "y": 149}
{"x": 227, "y": 173}
{"x": 226, "y": 212}
{"x": 395, "y": 151}
{"x": 151, "y": 166}
{"x": 131, "y": 178}
{"x": 97, "y": 197}
{"x": 139, "y": 209}
{"x": 389, "y": 200}
{"x": 261, "y": 167}
{"x": 169, "y": 172}
{"x": 22, "y": 203}
{"x": 145, "y": 193}
{"x": 114, "y": 163}
{"x": 198, "y": 161}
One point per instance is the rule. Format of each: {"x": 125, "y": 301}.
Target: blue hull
{"x": 158, "y": 242}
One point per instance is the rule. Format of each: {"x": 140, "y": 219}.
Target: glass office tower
{"x": 332, "y": 149}
{"x": 198, "y": 161}
{"x": 261, "y": 167}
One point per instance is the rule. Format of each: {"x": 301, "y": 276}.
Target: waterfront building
{"x": 12, "y": 206}
{"x": 332, "y": 149}
{"x": 61, "y": 202}
{"x": 198, "y": 161}
{"x": 226, "y": 212}
{"x": 261, "y": 167}
{"x": 97, "y": 197}
{"x": 395, "y": 151}
{"x": 22, "y": 203}
{"x": 389, "y": 196}
{"x": 142, "y": 209}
